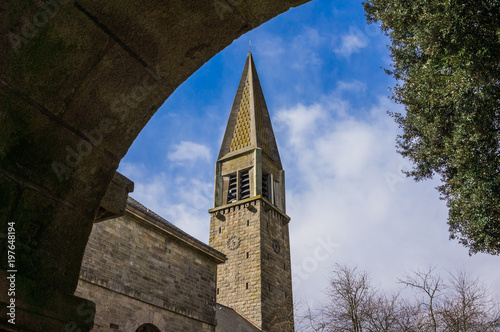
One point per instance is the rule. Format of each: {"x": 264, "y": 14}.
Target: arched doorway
{"x": 147, "y": 328}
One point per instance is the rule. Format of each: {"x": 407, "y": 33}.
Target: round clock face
{"x": 276, "y": 246}
{"x": 233, "y": 242}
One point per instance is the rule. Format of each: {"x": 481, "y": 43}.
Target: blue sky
{"x": 320, "y": 70}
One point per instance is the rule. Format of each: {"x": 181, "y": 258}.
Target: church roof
{"x": 229, "y": 320}
{"x": 176, "y": 231}
{"x": 249, "y": 125}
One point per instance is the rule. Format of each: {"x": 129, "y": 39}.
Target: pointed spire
{"x": 249, "y": 125}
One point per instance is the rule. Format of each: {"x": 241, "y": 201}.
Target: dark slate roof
{"x": 228, "y": 320}
{"x": 138, "y": 206}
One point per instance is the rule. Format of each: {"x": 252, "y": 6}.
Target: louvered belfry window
{"x": 244, "y": 185}
{"x": 238, "y": 187}
{"x": 232, "y": 189}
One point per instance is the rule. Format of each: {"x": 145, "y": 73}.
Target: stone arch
{"x": 78, "y": 81}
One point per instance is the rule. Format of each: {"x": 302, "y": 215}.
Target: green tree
{"x": 446, "y": 60}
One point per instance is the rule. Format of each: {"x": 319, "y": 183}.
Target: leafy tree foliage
{"x": 446, "y": 60}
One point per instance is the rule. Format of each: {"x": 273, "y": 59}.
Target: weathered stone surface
{"x": 138, "y": 270}
{"x": 245, "y": 161}
{"x": 46, "y": 309}
{"x": 255, "y": 224}
{"x": 243, "y": 226}
{"x": 114, "y": 202}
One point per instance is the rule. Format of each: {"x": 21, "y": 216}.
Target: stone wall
{"x": 255, "y": 280}
{"x": 138, "y": 270}
{"x": 235, "y": 231}
{"x": 277, "y": 301}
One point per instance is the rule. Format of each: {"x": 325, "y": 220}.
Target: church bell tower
{"x": 248, "y": 222}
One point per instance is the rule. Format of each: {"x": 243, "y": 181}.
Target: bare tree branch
{"x": 431, "y": 286}
{"x": 463, "y": 304}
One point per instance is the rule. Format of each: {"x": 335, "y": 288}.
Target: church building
{"x": 145, "y": 274}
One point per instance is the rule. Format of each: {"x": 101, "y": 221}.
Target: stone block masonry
{"x": 139, "y": 269}
{"x": 235, "y": 231}
{"x": 256, "y": 278}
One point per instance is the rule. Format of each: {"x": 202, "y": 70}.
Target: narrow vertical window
{"x": 247, "y": 254}
{"x": 265, "y": 186}
{"x": 268, "y": 187}
{"x": 248, "y": 222}
{"x": 244, "y": 185}
{"x": 217, "y": 291}
{"x": 220, "y": 230}
{"x": 247, "y": 285}
{"x": 232, "y": 189}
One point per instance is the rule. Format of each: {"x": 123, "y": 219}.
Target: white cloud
{"x": 351, "y": 43}
{"x": 300, "y": 121}
{"x": 305, "y": 48}
{"x": 270, "y": 46}
{"x": 132, "y": 170}
{"x": 182, "y": 201}
{"x": 189, "y": 151}
{"x": 351, "y": 86}
{"x": 350, "y": 203}
{"x": 310, "y": 36}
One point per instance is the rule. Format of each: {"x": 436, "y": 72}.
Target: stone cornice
{"x": 245, "y": 203}
{"x": 238, "y": 153}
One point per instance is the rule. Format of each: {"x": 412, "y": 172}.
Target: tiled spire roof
{"x": 249, "y": 125}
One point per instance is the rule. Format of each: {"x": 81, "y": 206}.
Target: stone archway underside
{"x": 78, "y": 82}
